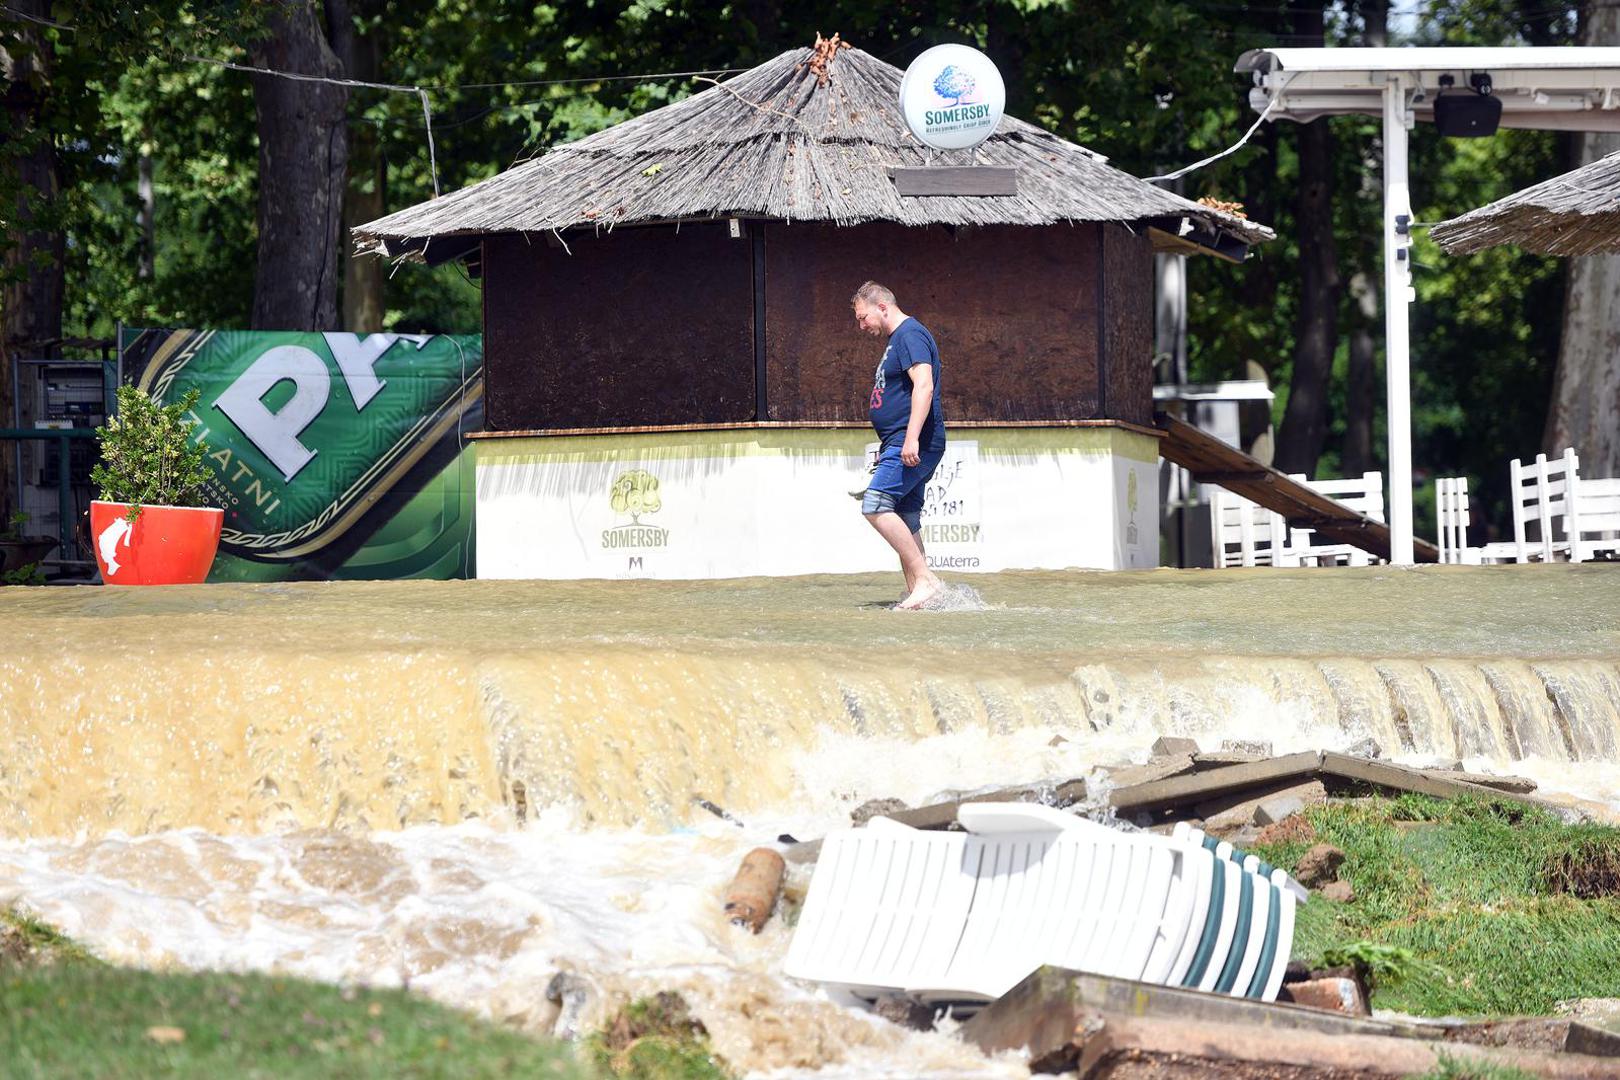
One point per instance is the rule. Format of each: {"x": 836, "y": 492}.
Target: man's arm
{"x": 922, "y": 397}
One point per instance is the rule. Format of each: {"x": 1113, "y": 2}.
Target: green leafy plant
{"x": 26, "y": 574}
{"x": 148, "y": 455}
{"x": 1377, "y": 962}
{"x": 14, "y": 526}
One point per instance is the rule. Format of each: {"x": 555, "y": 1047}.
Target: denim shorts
{"x": 900, "y": 488}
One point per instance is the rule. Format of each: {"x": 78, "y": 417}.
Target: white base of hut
{"x": 774, "y": 501}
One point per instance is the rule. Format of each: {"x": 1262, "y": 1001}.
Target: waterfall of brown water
{"x": 248, "y": 709}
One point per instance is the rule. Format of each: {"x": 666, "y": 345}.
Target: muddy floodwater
{"x": 473, "y": 786}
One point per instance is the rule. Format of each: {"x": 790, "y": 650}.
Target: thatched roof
{"x": 1577, "y": 213}
{"x": 781, "y": 142}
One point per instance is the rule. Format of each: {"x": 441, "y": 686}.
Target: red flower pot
{"x": 166, "y": 545}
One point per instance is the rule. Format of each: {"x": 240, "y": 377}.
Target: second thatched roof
{"x": 1577, "y": 213}
{"x": 797, "y": 138}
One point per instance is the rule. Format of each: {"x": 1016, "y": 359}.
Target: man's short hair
{"x": 872, "y": 293}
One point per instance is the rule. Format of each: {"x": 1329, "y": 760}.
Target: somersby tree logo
{"x": 952, "y": 97}
{"x": 635, "y": 493}
{"x": 1130, "y": 505}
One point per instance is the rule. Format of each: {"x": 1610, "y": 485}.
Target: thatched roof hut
{"x": 795, "y": 140}
{"x": 1577, "y": 213}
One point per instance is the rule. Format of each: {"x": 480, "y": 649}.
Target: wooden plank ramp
{"x": 1213, "y": 462}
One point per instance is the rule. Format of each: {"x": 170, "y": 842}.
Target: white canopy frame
{"x": 1559, "y": 89}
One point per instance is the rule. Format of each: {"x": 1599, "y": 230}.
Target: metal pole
{"x": 1398, "y": 294}
{"x": 64, "y": 500}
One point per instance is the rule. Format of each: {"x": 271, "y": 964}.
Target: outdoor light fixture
{"x": 1465, "y": 115}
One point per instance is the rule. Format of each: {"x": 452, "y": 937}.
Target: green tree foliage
{"x": 1150, "y": 85}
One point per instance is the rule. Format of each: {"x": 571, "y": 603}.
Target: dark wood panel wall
{"x": 654, "y": 326}
{"x": 1127, "y": 261}
{"x": 1014, "y": 311}
{"x": 637, "y": 326}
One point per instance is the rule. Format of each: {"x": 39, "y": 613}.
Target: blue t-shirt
{"x": 911, "y": 343}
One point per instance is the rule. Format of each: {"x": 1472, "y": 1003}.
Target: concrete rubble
{"x": 1097, "y": 1028}
{"x": 1239, "y": 786}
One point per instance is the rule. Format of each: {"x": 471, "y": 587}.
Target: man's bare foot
{"x": 928, "y": 588}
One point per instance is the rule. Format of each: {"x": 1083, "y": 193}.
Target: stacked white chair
{"x": 965, "y": 916}
{"x": 1364, "y": 494}
{"x": 1452, "y": 513}
{"x": 1244, "y": 533}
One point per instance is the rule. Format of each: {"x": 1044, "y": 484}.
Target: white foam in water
{"x": 956, "y": 598}
{"x": 483, "y": 919}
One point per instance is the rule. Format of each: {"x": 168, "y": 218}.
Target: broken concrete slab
{"x": 1203, "y": 786}
{"x": 1401, "y": 778}
{"x": 1217, "y": 759}
{"x": 1173, "y": 746}
{"x": 1599, "y": 1012}
{"x": 1138, "y": 1048}
{"x": 1522, "y": 785}
{"x": 1156, "y": 769}
{"x": 1042, "y": 1013}
{"x": 943, "y": 814}
{"x": 1282, "y": 807}
{"x": 1539, "y": 1033}
{"x": 1119, "y": 1029}
{"x": 1243, "y": 807}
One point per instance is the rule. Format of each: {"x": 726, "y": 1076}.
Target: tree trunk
{"x": 1316, "y": 336}
{"x": 364, "y": 277}
{"x": 1361, "y": 389}
{"x": 1586, "y": 388}
{"x": 1304, "y": 426}
{"x": 303, "y": 157}
{"x": 31, "y": 253}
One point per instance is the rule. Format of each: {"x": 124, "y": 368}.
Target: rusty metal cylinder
{"x": 754, "y": 890}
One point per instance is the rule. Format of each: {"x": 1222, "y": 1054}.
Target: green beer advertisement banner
{"x": 334, "y": 455}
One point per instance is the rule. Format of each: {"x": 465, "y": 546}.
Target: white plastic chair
{"x": 1244, "y": 533}
{"x": 1363, "y": 494}
{"x": 1539, "y": 493}
{"x": 966, "y": 916}
{"x": 1594, "y": 518}
{"x": 1452, "y": 513}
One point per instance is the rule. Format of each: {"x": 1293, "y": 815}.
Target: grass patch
{"x": 86, "y": 1019}
{"x": 655, "y": 1038}
{"x": 1451, "y": 1068}
{"x": 1465, "y": 907}
{"x": 27, "y": 942}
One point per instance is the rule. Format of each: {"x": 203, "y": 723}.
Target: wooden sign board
{"x": 955, "y": 180}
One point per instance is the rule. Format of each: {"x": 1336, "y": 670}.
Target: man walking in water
{"x": 911, "y": 427}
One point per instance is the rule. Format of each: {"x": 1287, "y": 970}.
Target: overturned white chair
{"x": 965, "y": 916}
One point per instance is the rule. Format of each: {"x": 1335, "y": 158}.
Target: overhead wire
{"x": 1265, "y": 114}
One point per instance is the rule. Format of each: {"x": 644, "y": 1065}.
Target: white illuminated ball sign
{"x": 952, "y": 97}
